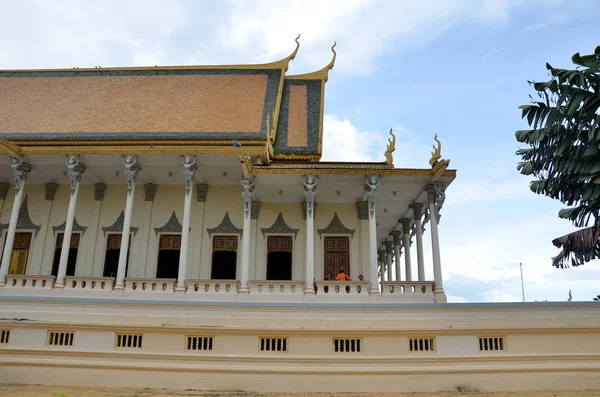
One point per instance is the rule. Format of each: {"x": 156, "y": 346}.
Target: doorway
{"x": 20, "y": 253}
{"x": 111, "y": 257}
{"x": 72, "y": 259}
{"x": 279, "y": 258}
{"x": 168, "y": 256}
{"x": 224, "y": 258}
{"x": 337, "y": 256}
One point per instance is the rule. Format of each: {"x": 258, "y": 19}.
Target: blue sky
{"x": 458, "y": 68}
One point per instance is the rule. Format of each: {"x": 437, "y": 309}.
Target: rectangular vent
{"x": 129, "y": 341}
{"x": 4, "y": 335}
{"x": 421, "y": 344}
{"x": 491, "y": 344}
{"x": 273, "y": 344}
{"x": 60, "y": 338}
{"x": 345, "y": 345}
{"x": 203, "y": 343}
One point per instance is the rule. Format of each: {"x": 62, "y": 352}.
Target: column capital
{"x": 247, "y": 190}
{"x": 132, "y": 167}
{"x": 20, "y": 171}
{"x": 381, "y": 253}
{"x": 405, "y": 225}
{"x": 189, "y": 171}
{"x": 310, "y": 190}
{"x": 389, "y": 247}
{"x": 372, "y": 187}
{"x": 397, "y": 235}
{"x": 76, "y": 170}
{"x": 431, "y": 193}
{"x": 417, "y": 209}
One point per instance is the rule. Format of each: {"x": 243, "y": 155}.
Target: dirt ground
{"x": 69, "y": 391}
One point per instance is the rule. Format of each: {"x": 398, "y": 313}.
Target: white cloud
{"x": 343, "y": 142}
{"x": 66, "y": 33}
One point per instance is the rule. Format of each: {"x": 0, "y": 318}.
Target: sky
{"x": 456, "y": 68}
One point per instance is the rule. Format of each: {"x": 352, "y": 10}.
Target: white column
{"x": 20, "y": 171}
{"x": 310, "y": 189}
{"x": 406, "y": 242}
{"x": 76, "y": 170}
{"x": 131, "y": 172}
{"x": 189, "y": 173}
{"x": 372, "y": 184}
{"x": 435, "y": 242}
{"x": 382, "y": 265}
{"x": 389, "y": 256}
{"x": 397, "y": 235}
{"x": 247, "y": 190}
{"x": 418, "y": 213}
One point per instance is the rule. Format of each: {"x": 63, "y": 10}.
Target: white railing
{"x": 212, "y": 290}
{"x": 151, "y": 288}
{"x": 407, "y": 291}
{"x": 276, "y": 291}
{"x": 342, "y": 291}
{"x": 90, "y": 283}
{"x": 88, "y": 286}
{"x": 18, "y": 284}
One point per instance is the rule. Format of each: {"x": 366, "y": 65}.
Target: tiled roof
{"x": 300, "y": 117}
{"x": 138, "y": 104}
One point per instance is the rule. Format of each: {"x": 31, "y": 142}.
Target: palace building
{"x": 175, "y": 227}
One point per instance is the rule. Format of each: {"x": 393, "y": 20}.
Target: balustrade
{"x": 23, "y": 285}
{"x": 407, "y": 291}
{"x": 149, "y": 288}
{"x": 212, "y": 290}
{"x": 276, "y": 291}
{"x": 88, "y": 286}
{"x": 342, "y": 291}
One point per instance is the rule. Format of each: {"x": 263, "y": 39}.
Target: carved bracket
{"x": 225, "y": 227}
{"x": 310, "y": 190}
{"x": 280, "y": 227}
{"x": 336, "y": 227}
{"x": 76, "y": 170}
{"x": 117, "y": 227}
{"x": 24, "y": 220}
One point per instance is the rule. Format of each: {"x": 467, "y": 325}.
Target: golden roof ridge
{"x": 322, "y": 74}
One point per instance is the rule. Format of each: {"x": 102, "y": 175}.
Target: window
{"x": 279, "y": 258}
{"x": 4, "y": 335}
{"x": 168, "y": 256}
{"x": 224, "y": 258}
{"x": 421, "y": 344}
{"x": 60, "y": 338}
{"x": 273, "y": 344}
{"x": 347, "y": 345}
{"x": 129, "y": 341}
{"x": 111, "y": 257}
{"x": 72, "y": 259}
{"x": 200, "y": 343}
{"x": 491, "y": 343}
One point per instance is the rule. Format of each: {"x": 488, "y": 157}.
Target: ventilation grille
{"x": 204, "y": 343}
{"x": 491, "y": 344}
{"x": 273, "y": 344}
{"x": 129, "y": 341}
{"x": 421, "y": 344}
{"x": 344, "y": 345}
{"x": 4, "y": 335}
{"x": 60, "y": 338}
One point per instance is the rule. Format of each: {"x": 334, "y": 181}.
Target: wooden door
{"x": 71, "y": 259}
{"x": 169, "y": 247}
{"x": 224, "y": 258}
{"x": 20, "y": 253}
{"x": 337, "y": 256}
{"x": 279, "y": 258}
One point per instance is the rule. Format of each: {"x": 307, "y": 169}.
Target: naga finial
{"x": 389, "y": 159}
{"x": 436, "y": 154}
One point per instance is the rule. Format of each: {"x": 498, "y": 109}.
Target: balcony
{"x": 261, "y": 291}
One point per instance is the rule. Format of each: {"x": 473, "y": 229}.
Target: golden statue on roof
{"x": 389, "y": 159}
{"x": 438, "y": 165}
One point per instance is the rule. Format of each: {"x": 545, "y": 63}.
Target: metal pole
{"x": 522, "y": 288}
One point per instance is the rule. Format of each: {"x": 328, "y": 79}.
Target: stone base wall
{"x": 291, "y": 347}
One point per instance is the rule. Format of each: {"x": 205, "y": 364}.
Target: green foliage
{"x": 564, "y": 152}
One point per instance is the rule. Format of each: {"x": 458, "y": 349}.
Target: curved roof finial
{"x": 332, "y": 63}
{"x": 293, "y": 54}
{"x": 319, "y": 74}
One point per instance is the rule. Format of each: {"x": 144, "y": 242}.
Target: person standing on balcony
{"x": 342, "y": 276}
